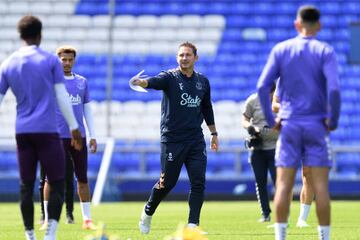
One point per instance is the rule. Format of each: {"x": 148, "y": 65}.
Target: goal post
{"x": 103, "y": 171}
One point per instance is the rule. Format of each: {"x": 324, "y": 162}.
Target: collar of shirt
{"x": 27, "y": 48}
{"x": 69, "y": 77}
{"x": 186, "y": 77}
{"x": 306, "y": 37}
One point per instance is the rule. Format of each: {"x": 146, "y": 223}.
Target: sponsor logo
{"x": 189, "y": 101}
{"x": 181, "y": 86}
{"x": 198, "y": 85}
{"x": 80, "y": 85}
{"x": 170, "y": 157}
{"x": 75, "y": 100}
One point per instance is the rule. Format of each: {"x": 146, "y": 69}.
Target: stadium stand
{"x": 233, "y": 38}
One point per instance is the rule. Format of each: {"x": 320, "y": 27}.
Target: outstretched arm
{"x": 140, "y": 82}
{"x": 158, "y": 82}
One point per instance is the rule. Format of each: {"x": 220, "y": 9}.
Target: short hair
{"x": 29, "y": 27}
{"x": 308, "y": 14}
{"x": 190, "y": 45}
{"x": 66, "y": 49}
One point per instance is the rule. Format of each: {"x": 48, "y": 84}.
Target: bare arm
{"x": 275, "y": 105}
{"x": 90, "y": 124}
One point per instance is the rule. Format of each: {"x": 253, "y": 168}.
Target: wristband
{"x": 214, "y": 134}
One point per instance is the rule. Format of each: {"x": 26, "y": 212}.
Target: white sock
{"x": 51, "y": 230}
{"x": 280, "y": 231}
{"x": 324, "y": 232}
{"x": 85, "y": 210}
{"x": 304, "y": 211}
{"x": 30, "y": 235}
{"x": 46, "y": 203}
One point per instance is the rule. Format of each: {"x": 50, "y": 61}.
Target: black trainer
{"x": 70, "y": 218}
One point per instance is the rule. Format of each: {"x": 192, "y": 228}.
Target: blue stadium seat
{"x": 8, "y": 162}
{"x": 278, "y": 34}
{"x": 286, "y": 8}
{"x": 331, "y": 8}
{"x": 328, "y": 21}
{"x": 346, "y": 19}
{"x": 342, "y": 34}
{"x": 283, "y": 21}
{"x": 124, "y": 162}
{"x": 262, "y": 8}
{"x": 128, "y": 8}
{"x": 91, "y": 8}
{"x": 97, "y": 95}
{"x": 176, "y": 8}
{"x": 237, "y": 21}
{"x": 94, "y": 161}
{"x": 220, "y": 8}
{"x": 350, "y": 7}
{"x": 198, "y": 8}
{"x": 242, "y": 8}
{"x": 153, "y": 163}
{"x": 232, "y": 34}
{"x": 326, "y": 35}
{"x": 152, "y": 8}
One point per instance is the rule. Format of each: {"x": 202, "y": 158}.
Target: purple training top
{"x": 309, "y": 80}
{"x": 31, "y": 73}
{"x": 77, "y": 88}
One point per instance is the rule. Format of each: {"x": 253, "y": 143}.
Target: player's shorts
{"x": 79, "y": 158}
{"x": 303, "y": 141}
{"x": 45, "y": 147}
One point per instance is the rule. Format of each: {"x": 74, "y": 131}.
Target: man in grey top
{"x": 261, "y": 145}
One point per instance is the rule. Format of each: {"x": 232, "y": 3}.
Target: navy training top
{"x": 186, "y": 102}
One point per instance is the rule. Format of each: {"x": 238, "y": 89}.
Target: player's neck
{"x": 31, "y": 43}
{"x": 305, "y": 32}
{"x": 187, "y": 72}
{"x": 68, "y": 74}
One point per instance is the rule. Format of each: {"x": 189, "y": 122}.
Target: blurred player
{"x": 261, "y": 150}
{"x": 307, "y": 193}
{"x": 310, "y": 106}
{"x": 186, "y": 103}
{"x": 78, "y": 93}
{"x": 37, "y": 81}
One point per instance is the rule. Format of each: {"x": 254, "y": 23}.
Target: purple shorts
{"x": 303, "y": 141}
{"x": 79, "y": 159}
{"x": 45, "y": 147}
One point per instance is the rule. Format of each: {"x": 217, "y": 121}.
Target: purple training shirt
{"x": 308, "y": 80}
{"x": 31, "y": 73}
{"x": 77, "y": 88}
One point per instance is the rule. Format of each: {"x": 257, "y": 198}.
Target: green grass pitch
{"x": 222, "y": 220}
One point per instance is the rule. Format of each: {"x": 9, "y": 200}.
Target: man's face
{"x": 186, "y": 58}
{"x": 67, "y": 60}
